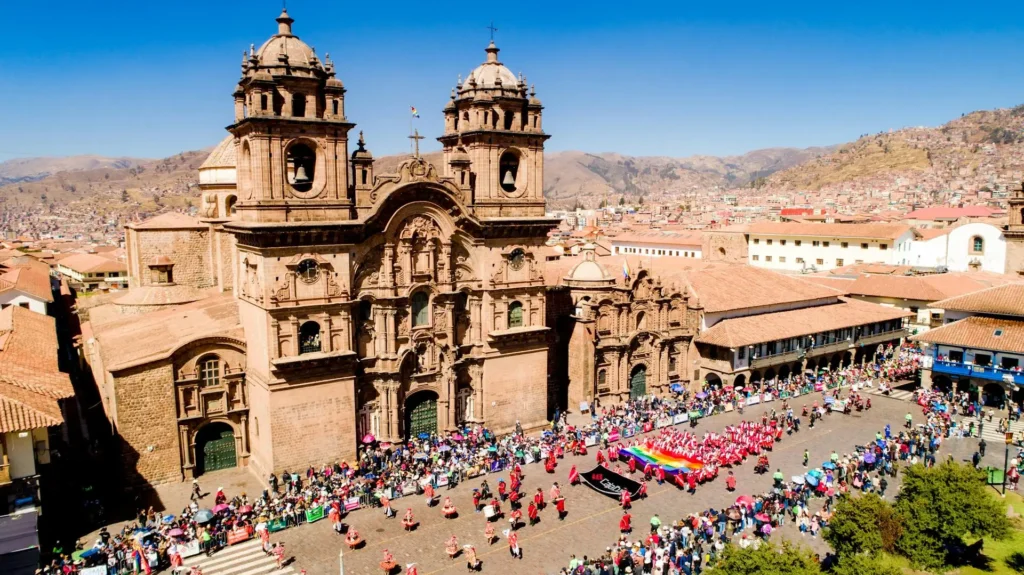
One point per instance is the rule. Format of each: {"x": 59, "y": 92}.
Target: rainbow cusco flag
{"x": 672, "y": 464}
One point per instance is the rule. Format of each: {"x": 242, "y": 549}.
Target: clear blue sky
{"x": 151, "y": 78}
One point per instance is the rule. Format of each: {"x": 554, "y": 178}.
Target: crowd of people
{"x": 385, "y": 472}
{"x": 693, "y": 543}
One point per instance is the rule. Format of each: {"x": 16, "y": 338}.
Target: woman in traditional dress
{"x": 451, "y": 547}
{"x": 408, "y": 522}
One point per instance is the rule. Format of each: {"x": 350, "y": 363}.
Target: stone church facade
{"x": 314, "y": 302}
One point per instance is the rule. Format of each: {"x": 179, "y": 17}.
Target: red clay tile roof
{"x": 92, "y": 263}
{"x": 661, "y": 238}
{"x": 30, "y": 380}
{"x": 952, "y": 213}
{"x": 169, "y": 221}
{"x": 928, "y": 288}
{"x": 29, "y": 281}
{"x": 759, "y": 328}
{"x": 741, "y": 287}
{"x": 1000, "y": 300}
{"x": 978, "y": 332}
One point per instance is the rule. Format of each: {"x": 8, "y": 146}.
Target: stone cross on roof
{"x": 492, "y": 29}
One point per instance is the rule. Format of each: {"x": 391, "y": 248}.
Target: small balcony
{"x": 989, "y": 372}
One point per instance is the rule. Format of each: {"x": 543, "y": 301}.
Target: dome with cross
{"x": 492, "y": 74}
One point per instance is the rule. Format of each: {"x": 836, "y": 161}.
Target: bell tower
{"x": 291, "y": 133}
{"x": 494, "y": 122}
{"x": 1014, "y": 231}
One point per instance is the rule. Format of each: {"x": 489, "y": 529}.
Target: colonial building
{"x": 316, "y": 301}
{"x": 981, "y": 347}
{"x": 1014, "y": 232}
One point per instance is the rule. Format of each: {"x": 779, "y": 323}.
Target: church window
{"x": 298, "y": 105}
{"x": 420, "y": 309}
{"x": 977, "y": 245}
{"x": 335, "y": 102}
{"x": 263, "y": 102}
{"x": 602, "y": 378}
{"x": 229, "y": 205}
{"x": 301, "y": 165}
{"x": 671, "y": 363}
{"x": 494, "y": 120}
{"x": 486, "y": 116}
{"x": 641, "y": 320}
{"x": 535, "y": 121}
{"x": 308, "y": 270}
{"x": 509, "y": 117}
{"x": 364, "y": 175}
{"x": 365, "y": 312}
{"x": 515, "y": 315}
{"x": 508, "y": 171}
{"x": 309, "y": 337}
{"x": 209, "y": 371}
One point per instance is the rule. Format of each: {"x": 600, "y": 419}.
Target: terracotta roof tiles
{"x": 978, "y": 332}
{"x": 1000, "y": 300}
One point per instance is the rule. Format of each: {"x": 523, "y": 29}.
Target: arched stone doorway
{"x": 712, "y": 381}
{"x": 755, "y": 378}
{"x": 784, "y": 372}
{"x": 812, "y": 367}
{"x": 215, "y": 448}
{"x": 993, "y": 395}
{"x": 421, "y": 414}
{"x": 638, "y": 382}
{"x": 740, "y": 380}
{"x": 836, "y": 361}
{"x": 769, "y": 374}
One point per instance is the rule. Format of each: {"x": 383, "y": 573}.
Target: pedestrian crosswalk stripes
{"x": 242, "y": 559}
{"x": 901, "y": 394}
{"x": 990, "y": 432}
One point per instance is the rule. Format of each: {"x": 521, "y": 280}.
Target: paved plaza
{"x": 592, "y": 521}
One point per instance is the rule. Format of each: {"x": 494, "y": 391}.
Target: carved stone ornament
{"x": 209, "y": 209}
{"x": 368, "y": 275}
{"x": 282, "y": 292}
{"x": 402, "y": 319}
{"x": 498, "y": 277}
{"x": 440, "y": 319}
{"x": 417, "y": 169}
{"x": 333, "y": 288}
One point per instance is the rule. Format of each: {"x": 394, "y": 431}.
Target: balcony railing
{"x": 826, "y": 348}
{"x": 990, "y": 372}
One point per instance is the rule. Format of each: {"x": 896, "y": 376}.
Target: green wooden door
{"x": 421, "y": 415}
{"x": 638, "y": 382}
{"x": 218, "y": 448}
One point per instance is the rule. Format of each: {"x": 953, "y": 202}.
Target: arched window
{"x": 229, "y": 205}
{"x": 641, "y": 320}
{"x": 309, "y": 337}
{"x": 602, "y": 378}
{"x": 420, "y": 309}
{"x": 515, "y": 314}
{"x": 465, "y": 405}
{"x": 209, "y": 371}
{"x": 977, "y": 245}
{"x": 301, "y": 166}
{"x": 508, "y": 171}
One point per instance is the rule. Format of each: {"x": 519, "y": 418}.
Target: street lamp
{"x": 1006, "y": 458}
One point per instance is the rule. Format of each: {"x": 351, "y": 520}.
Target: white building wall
{"x": 929, "y": 253}
{"x": 655, "y": 250}
{"x": 961, "y": 254}
{"x": 798, "y": 253}
{"x": 15, "y": 297}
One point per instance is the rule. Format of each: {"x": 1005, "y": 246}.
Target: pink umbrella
{"x": 246, "y": 509}
{"x": 458, "y": 437}
{"x": 175, "y": 533}
{"x": 369, "y": 438}
{"x": 219, "y": 508}
{"x": 745, "y": 500}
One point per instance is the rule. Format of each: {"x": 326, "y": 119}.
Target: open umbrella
{"x": 220, "y": 508}
{"x": 445, "y": 448}
{"x": 815, "y": 473}
{"x": 175, "y": 533}
{"x": 91, "y": 552}
{"x": 733, "y": 514}
{"x": 245, "y": 509}
{"x": 369, "y": 438}
{"x": 812, "y": 480}
{"x": 423, "y": 435}
{"x": 676, "y": 388}
{"x": 168, "y": 519}
{"x": 745, "y": 500}
{"x": 829, "y": 400}
{"x": 701, "y": 395}
{"x": 419, "y": 455}
{"x": 458, "y": 437}
{"x": 869, "y": 457}
{"x": 798, "y": 479}
{"x": 828, "y": 465}
{"x": 203, "y": 516}
{"x": 762, "y": 518}
{"x": 78, "y": 554}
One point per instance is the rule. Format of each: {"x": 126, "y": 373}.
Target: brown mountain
{"x": 978, "y": 150}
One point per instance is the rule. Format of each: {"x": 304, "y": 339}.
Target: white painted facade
{"x": 799, "y": 253}
{"x": 957, "y": 251}
{"x": 20, "y": 298}
{"x": 655, "y": 250}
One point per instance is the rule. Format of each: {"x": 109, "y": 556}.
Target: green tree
{"x": 941, "y": 505}
{"x": 640, "y": 200}
{"x": 863, "y": 524}
{"x": 622, "y": 200}
{"x": 865, "y": 565}
{"x": 767, "y": 559}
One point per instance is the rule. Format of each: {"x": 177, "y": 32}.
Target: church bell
{"x": 300, "y": 175}
{"x": 509, "y": 180}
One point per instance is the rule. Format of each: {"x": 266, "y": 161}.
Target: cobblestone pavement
{"x": 592, "y": 521}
